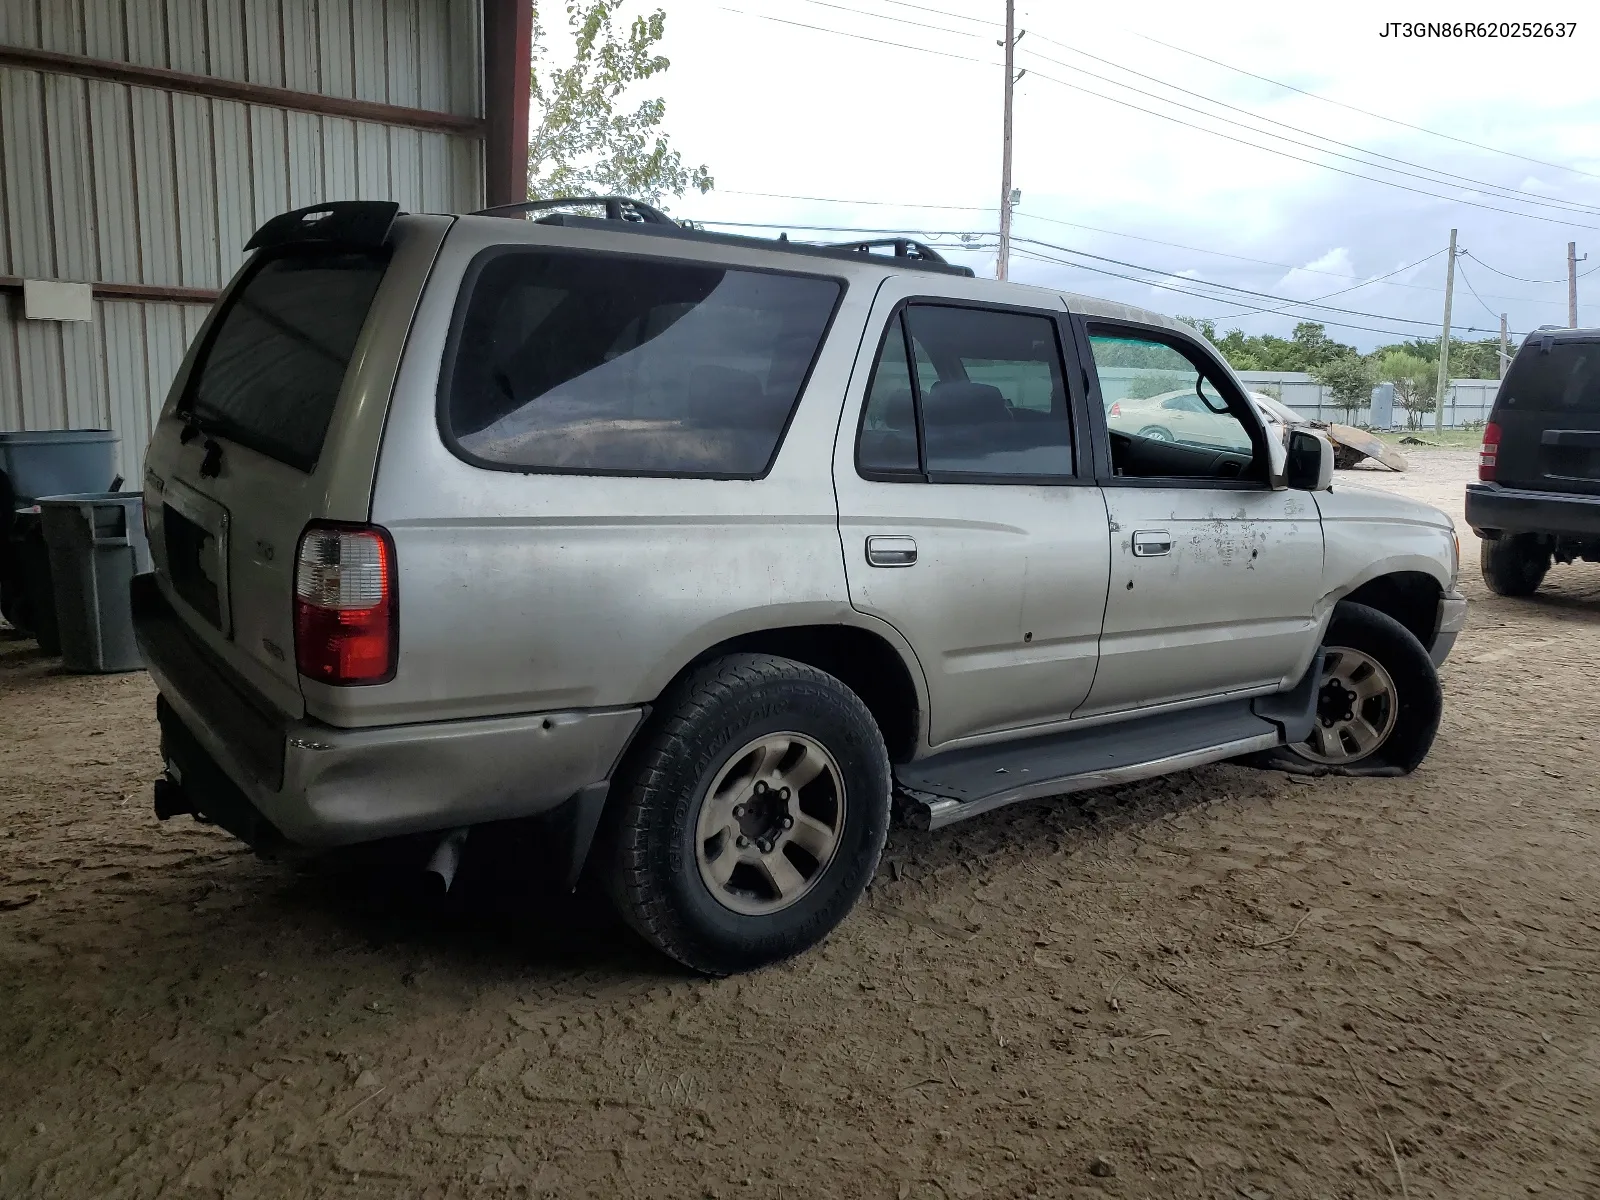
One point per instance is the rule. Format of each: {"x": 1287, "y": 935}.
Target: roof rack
{"x": 635, "y": 216}
{"x": 618, "y": 208}
{"x": 903, "y": 248}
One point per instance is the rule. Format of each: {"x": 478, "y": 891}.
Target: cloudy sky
{"x": 894, "y": 109}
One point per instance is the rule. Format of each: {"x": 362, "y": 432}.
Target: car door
{"x": 1215, "y": 576}
{"x": 968, "y": 515}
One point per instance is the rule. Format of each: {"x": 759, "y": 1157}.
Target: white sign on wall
{"x": 48, "y": 300}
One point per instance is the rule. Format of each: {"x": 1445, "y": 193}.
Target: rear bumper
{"x": 1452, "y": 620}
{"x": 320, "y": 787}
{"x": 1495, "y": 509}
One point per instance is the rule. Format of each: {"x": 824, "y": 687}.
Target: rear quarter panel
{"x": 529, "y": 592}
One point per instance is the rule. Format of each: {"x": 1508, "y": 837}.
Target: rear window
{"x": 1566, "y": 378}
{"x": 603, "y": 364}
{"x": 271, "y": 373}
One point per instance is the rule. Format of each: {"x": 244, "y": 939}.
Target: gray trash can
{"x": 54, "y": 462}
{"x": 97, "y": 545}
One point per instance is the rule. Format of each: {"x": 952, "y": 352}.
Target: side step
{"x": 957, "y": 784}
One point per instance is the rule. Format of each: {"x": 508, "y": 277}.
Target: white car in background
{"x": 1182, "y": 415}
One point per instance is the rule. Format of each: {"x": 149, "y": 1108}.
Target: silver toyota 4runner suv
{"x": 697, "y": 553}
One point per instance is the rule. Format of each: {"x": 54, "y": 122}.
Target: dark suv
{"x": 1538, "y": 501}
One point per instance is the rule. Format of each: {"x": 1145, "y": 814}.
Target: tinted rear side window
{"x": 1564, "y": 379}
{"x": 995, "y": 402}
{"x": 604, "y": 364}
{"x": 271, "y": 374}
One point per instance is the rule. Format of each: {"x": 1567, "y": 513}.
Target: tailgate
{"x": 275, "y": 422}
{"x": 1548, "y": 411}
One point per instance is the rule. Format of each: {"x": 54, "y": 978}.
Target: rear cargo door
{"x": 275, "y": 423}
{"x": 1548, "y": 411}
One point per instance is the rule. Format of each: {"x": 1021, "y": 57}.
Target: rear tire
{"x": 1157, "y": 433}
{"x": 732, "y": 734}
{"x": 1378, "y": 675}
{"x": 1515, "y": 564}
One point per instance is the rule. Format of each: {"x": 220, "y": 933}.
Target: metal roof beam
{"x": 246, "y": 93}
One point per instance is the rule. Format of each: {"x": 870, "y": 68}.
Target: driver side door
{"x": 1215, "y": 577}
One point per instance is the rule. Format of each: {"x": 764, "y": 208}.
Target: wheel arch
{"x": 1408, "y": 594}
{"x": 885, "y": 675}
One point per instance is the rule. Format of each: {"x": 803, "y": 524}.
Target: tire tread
{"x": 634, "y": 879}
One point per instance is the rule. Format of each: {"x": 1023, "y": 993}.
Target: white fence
{"x": 1467, "y": 401}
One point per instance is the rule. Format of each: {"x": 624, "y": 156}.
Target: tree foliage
{"x": 1310, "y": 348}
{"x": 1415, "y": 382}
{"x": 1349, "y": 377}
{"x": 587, "y": 140}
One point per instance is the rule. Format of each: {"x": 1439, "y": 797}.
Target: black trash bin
{"x": 34, "y": 463}
{"x": 97, "y": 545}
{"x": 29, "y": 597}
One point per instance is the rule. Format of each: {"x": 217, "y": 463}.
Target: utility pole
{"x": 1002, "y": 265}
{"x": 1572, "y": 284}
{"x": 1505, "y": 355}
{"x": 1444, "y": 339}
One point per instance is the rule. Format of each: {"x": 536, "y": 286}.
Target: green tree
{"x": 1309, "y": 347}
{"x": 1206, "y": 327}
{"x": 1315, "y": 346}
{"x": 586, "y": 140}
{"x": 1415, "y": 382}
{"x": 1350, "y": 378}
{"x": 1468, "y": 360}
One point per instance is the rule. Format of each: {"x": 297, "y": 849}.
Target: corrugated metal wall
{"x": 102, "y": 182}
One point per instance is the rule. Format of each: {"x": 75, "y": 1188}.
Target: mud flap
{"x": 1294, "y": 712}
{"x": 572, "y": 829}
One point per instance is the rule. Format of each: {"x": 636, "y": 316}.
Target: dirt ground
{"x": 1222, "y": 984}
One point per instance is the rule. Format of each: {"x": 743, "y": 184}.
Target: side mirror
{"x": 1310, "y": 461}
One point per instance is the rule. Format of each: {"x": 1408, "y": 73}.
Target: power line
{"x": 862, "y": 12}
{"x": 984, "y": 208}
{"x": 1515, "y": 194}
{"x": 1180, "y": 121}
{"x": 1364, "y": 112}
{"x": 1118, "y": 233}
{"x": 1167, "y": 287}
{"x": 1519, "y": 278}
{"x": 1286, "y": 301}
{"x": 860, "y": 37}
{"x": 1229, "y": 287}
{"x": 939, "y": 12}
{"x": 1463, "y": 269}
{"x": 1421, "y": 287}
{"x": 1329, "y": 295}
{"x": 1297, "y": 158}
{"x": 1202, "y": 296}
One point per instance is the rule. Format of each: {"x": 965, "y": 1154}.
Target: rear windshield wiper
{"x": 193, "y": 427}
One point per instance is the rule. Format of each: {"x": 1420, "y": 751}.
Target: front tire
{"x": 749, "y": 817}
{"x": 1378, "y": 702}
{"x": 1515, "y": 564}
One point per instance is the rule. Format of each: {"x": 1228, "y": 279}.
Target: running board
{"x": 944, "y": 788}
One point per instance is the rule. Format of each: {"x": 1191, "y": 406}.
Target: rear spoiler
{"x": 357, "y": 224}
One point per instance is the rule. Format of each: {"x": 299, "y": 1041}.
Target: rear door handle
{"x": 1149, "y": 543}
{"x": 887, "y": 551}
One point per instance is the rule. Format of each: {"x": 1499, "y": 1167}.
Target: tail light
{"x": 345, "y": 628}
{"x": 1489, "y": 455}
{"x": 1116, "y": 408}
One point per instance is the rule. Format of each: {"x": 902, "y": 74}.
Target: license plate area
{"x": 195, "y": 533}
